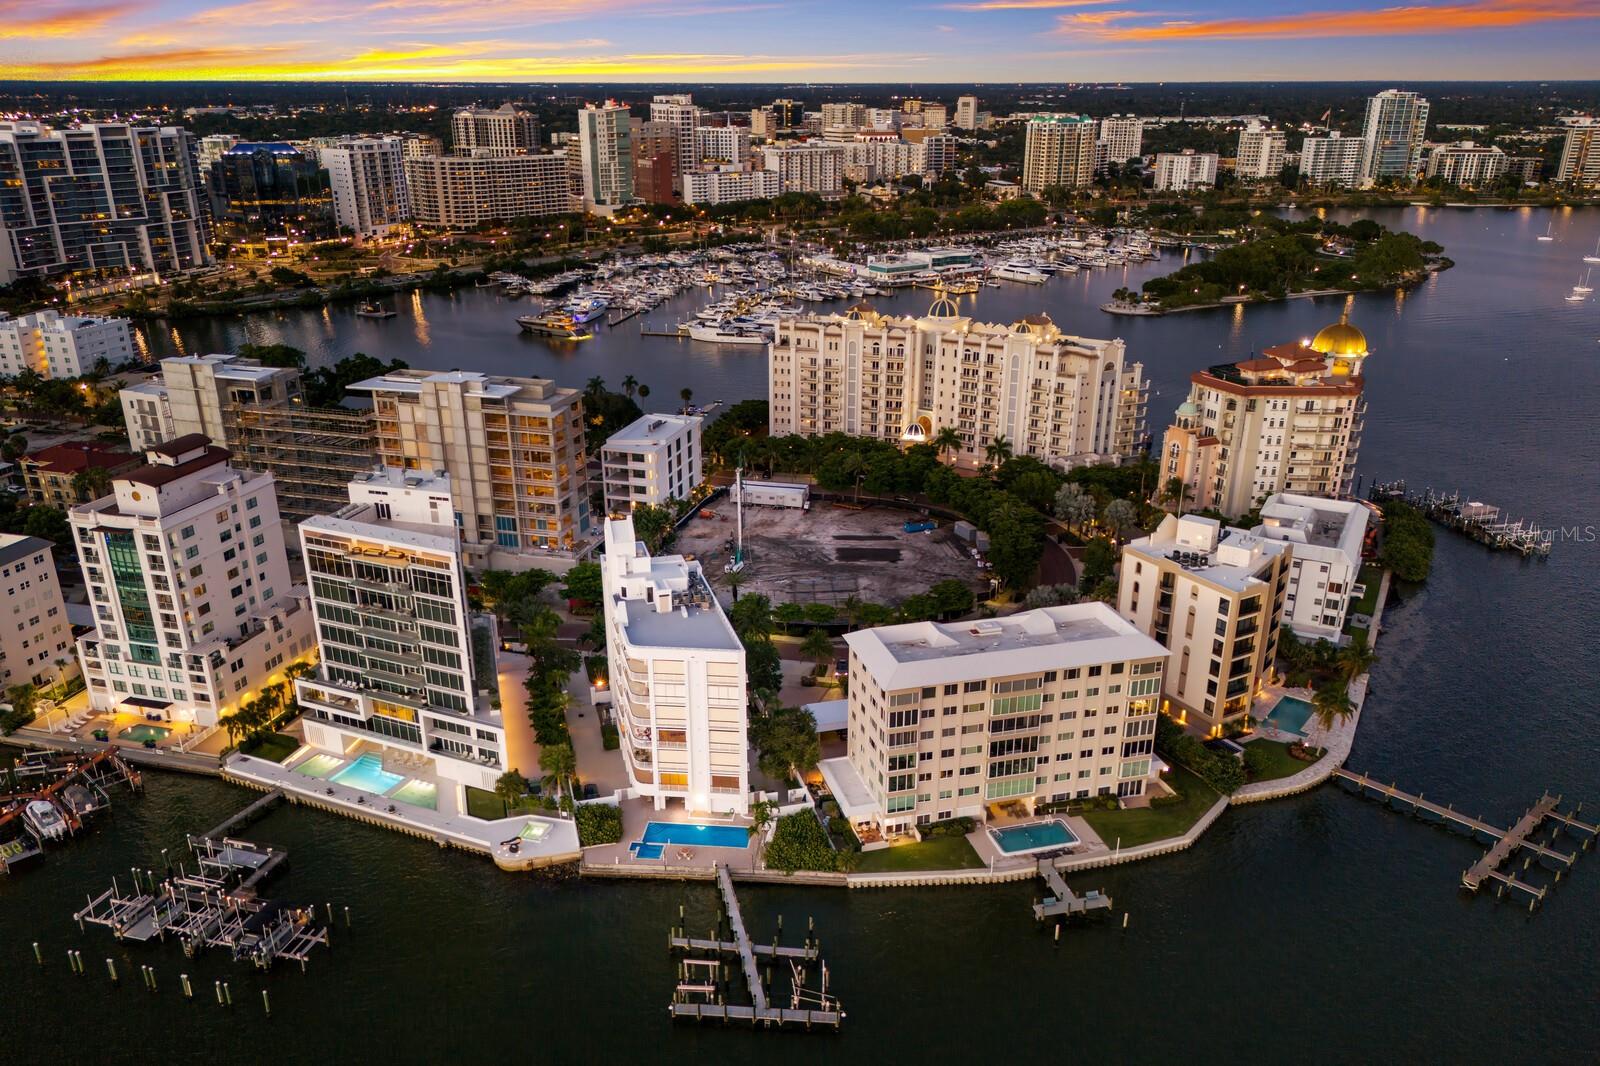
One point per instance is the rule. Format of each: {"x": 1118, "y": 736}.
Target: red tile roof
{"x": 77, "y": 456}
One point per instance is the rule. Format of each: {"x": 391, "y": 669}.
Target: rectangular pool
{"x": 142, "y": 733}
{"x": 418, "y": 794}
{"x": 1035, "y": 836}
{"x": 367, "y": 774}
{"x": 1290, "y": 715}
{"x": 319, "y": 766}
{"x": 641, "y": 850}
{"x": 691, "y": 834}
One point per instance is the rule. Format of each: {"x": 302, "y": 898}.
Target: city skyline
{"x": 720, "y": 41}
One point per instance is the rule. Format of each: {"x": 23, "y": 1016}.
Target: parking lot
{"x": 830, "y": 553}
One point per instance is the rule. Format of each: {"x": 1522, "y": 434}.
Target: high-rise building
{"x": 966, "y": 112}
{"x": 1332, "y": 160}
{"x": 1044, "y": 706}
{"x": 885, "y": 157}
{"x": 1061, "y": 399}
{"x": 726, "y": 185}
{"x": 106, "y": 196}
{"x": 1123, "y": 137}
{"x": 147, "y": 413}
{"x": 939, "y": 153}
{"x": 720, "y": 146}
{"x": 1328, "y": 537}
{"x": 54, "y": 345}
{"x": 607, "y": 156}
{"x": 209, "y": 149}
{"x": 678, "y": 111}
{"x": 1396, "y": 124}
{"x": 1059, "y": 151}
{"x": 1288, "y": 421}
{"x": 677, "y": 678}
{"x": 504, "y": 130}
{"x": 36, "y": 640}
{"x": 808, "y": 166}
{"x": 1580, "y": 153}
{"x": 1260, "y": 154}
{"x": 404, "y": 664}
{"x": 844, "y": 116}
{"x": 514, "y": 450}
{"x": 763, "y": 123}
{"x": 935, "y": 116}
{"x": 1214, "y": 597}
{"x": 652, "y": 460}
{"x": 787, "y": 114}
{"x": 465, "y": 191}
{"x": 270, "y": 187}
{"x": 655, "y": 161}
{"x": 194, "y": 610}
{"x": 367, "y": 176}
{"x": 1467, "y": 164}
{"x": 1185, "y": 170}
{"x": 417, "y": 145}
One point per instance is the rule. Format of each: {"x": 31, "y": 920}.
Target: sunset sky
{"x": 809, "y": 40}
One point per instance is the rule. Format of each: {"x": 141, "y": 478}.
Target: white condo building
{"x": 1580, "y": 153}
{"x": 147, "y": 412}
{"x": 367, "y": 176}
{"x": 726, "y": 185}
{"x": 1059, "y": 151}
{"x": 966, "y": 113}
{"x": 655, "y": 459}
{"x": 677, "y": 679}
{"x": 504, "y": 130}
{"x": 1332, "y": 160}
{"x": 1185, "y": 170}
{"x": 1122, "y": 136}
{"x": 36, "y": 640}
{"x": 1260, "y": 153}
{"x": 465, "y": 191}
{"x": 1328, "y": 536}
{"x": 405, "y": 667}
{"x": 194, "y": 610}
{"x": 1042, "y": 706}
{"x": 606, "y": 156}
{"x": 1396, "y": 124}
{"x": 720, "y": 146}
{"x": 939, "y": 153}
{"x": 885, "y": 157}
{"x": 54, "y": 345}
{"x": 807, "y": 167}
{"x": 1062, "y": 399}
{"x": 1467, "y": 163}
{"x": 678, "y": 111}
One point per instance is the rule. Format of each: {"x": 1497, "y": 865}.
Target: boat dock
{"x": 1483, "y": 522}
{"x": 74, "y": 786}
{"x": 676, "y": 334}
{"x": 702, "y": 990}
{"x": 1503, "y": 844}
{"x": 218, "y": 905}
{"x": 1062, "y": 901}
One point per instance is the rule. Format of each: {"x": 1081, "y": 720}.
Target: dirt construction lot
{"x": 828, "y": 554}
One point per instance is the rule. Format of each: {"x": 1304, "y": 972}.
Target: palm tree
{"x": 818, "y": 646}
{"x": 852, "y": 609}
{"x": 1176, "y": 493}
{"x": 1120, "y": 515}
{"x": 91, "y": 483}
{"x": 686, "y": 394}
{"x": 1331, "y": 703}
{"x": 559, "y": 764}
{"x": 510, "y": 787}
{"x": 596, "y": 385}
{"x": 997, "y": 452}
{"x": 761, "y": 815}
{"x": 736, "y": 579}
{"x": 1355, "y": 658}
{"x": 1074, "y": 506}
{"x": 946, "y": 440}
{"x": 630, "y": 385}
{"x": 644, "y": 390}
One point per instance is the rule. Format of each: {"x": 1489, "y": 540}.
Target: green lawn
{"x": 941, "y": 853}
{"x": 1371, "y": 577}
{"x": 274, "y": 746}
{"x": 1157, "y": 822}
{"x": 1281, "y": 763}
{"x": 489, "y": 806}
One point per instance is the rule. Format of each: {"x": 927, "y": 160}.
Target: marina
{"x": 51, "y": 797}
{"x": 1482, "y": 522}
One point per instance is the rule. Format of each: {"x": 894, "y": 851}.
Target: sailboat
{"x": 1549, "y": 234}
{"x": 1583, "y": 287}
{"x": 1595, "y": 258}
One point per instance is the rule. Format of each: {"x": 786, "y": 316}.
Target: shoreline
{"x": 1112, "y": 307}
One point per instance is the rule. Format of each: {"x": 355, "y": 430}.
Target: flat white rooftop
{"x": 361, "y": 520}
{"x": 1223, "y": 555}
{"x": 1048, "y": 638}
{"x": 652, "y": 429}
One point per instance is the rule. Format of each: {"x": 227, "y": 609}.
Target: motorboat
{"x": 372, "y": 310}
{"x": 44, "y": 819}
{"x": 553, "y": 324}
{"x": 586, "y": 309}
{"x": 1021, "y": 272}
{"x": 728, "y": 333}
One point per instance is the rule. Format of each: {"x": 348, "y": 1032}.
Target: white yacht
{"x": 727, "y": 333}
{"x": 45, "y": 820}
{"x": 1017, "y": 271}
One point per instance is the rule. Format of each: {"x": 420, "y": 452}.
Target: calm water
{"x": 1320, "y": 928}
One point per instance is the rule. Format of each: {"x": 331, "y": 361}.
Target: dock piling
{"x": 188, "y": 989}
{"x": 266, "y": 1003}
{"x": 219, "y": 993}
{"x": 111, "y": 968}
{"x": 38, "y": 956}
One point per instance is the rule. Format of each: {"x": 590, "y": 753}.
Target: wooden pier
{"x": 702, "y": 990}
{"x": 76, "y": 786}
{"x": 1483, "y": 522}
{"x": 1503, "y": 844}
{"x": 1062, "y": 901}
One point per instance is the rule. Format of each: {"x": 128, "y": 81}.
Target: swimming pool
{"x": 367, "y": 774}
{"x": 144, "y": 732}
{"x": 1291, "y": 715}
{"x": 418, "y": 794}
{"x": 641, "y": 850}
{"x": 1035, "y": 836}
{"x": 319, "y": 766}
{"x": 692, "y": 834}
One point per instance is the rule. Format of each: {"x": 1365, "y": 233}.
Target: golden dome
{"x": 1341, "y": 338}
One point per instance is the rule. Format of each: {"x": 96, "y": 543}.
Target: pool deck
{"x": 639, "y": 813}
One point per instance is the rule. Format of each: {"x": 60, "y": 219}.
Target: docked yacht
{"x": 42, "y": 817}
{"x": 586, "y": 309}
{"x": 554, "y": 324}
{"x": 1019, "y": 271}
{"x": 728, "y": 333}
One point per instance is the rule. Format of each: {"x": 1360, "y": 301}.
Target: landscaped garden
{"x": 1165, "y": 817}
{"x": 274, "y": 747}
{"x": 940, "y": 853}
{"x": 1270, "y": 760}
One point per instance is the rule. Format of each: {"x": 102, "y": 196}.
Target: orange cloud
{"x": 30, "y": 18}
{"x": 1379, "y": 22}
{"x": 1021, "y": 5}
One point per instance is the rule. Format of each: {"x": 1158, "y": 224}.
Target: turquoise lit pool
{"x": 418, "y": 794}
{"x": 641, "y": 850}
{"x": 690, "y": 834}
{"x": 367, "y": 774}
{"x": 1035, "y": 836}
{"x": 1290, "y": 715}
{"x": 142, "y": 732}
{"x": 320, "y": 766}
